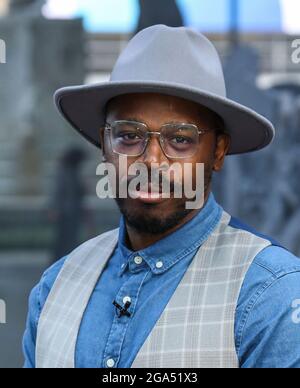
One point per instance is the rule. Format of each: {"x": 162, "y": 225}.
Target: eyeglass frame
{"x": 108, "y": 126}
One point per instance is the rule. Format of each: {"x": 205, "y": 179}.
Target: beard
{"x": 144, "y": 222}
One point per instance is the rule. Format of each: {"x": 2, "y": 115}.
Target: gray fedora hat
{"x": 179, "y": 62}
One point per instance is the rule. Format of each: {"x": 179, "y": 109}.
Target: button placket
{"x": 119, "y": 326}
{"x": 126, "y": 299}
{"x": 110, "y": 363}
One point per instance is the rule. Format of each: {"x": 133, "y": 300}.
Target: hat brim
{"x": 84, "y": 108}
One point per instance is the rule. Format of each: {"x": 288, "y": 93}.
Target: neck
{"x": 137, "y": 240}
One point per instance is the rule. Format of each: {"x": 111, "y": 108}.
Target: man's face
{"x": 159, "y": 215}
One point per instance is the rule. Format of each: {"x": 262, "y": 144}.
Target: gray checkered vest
{"x": 196, "y": 328}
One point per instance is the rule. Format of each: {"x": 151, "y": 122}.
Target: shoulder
{"x": 236, "y": 223}
{"x": 271, "y": 264}
{"x": 277, "y": 261}
{"x": 41, "y": 291}
{"x": 267, "y": 328}
{"x": 273, "y": 268}
{"x": 274, "y": 259}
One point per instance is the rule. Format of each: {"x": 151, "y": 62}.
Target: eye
{"x": 181, "y": 140}
{"x": 129, "y": 136}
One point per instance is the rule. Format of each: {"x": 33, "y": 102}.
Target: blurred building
{"x": 32, "y": 133}
{"x": 50, "y": 51}
{"x": 4, "y": 5}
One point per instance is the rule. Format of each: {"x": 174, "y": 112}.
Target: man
{"x": 173, "y": 286}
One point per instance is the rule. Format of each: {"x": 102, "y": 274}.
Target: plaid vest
{"x": 196, "y": 328}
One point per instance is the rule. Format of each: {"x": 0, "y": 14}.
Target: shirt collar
{"x": 166, "y": 252}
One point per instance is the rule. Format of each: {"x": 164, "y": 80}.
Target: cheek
{"x": 207, "y": 158}
{"x": 199, "y": 167}
{"x": 122, "y": 165}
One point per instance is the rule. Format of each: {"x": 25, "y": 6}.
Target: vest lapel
{"x": 196, "y": 329}
{"x": 61, "y": 317}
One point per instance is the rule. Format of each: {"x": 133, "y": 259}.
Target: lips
{"x": 154, "y": 194}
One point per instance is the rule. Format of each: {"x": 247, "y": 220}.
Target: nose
{"x": 153, "y": 152}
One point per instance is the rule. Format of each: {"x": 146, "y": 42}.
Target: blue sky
{"x": 109, "y": 15}
{"x": 206, "y": 15}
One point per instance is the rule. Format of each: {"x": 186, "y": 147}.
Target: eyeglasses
{"x": 177, "y": 141}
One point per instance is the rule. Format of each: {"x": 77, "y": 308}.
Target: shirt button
{"x": 159, "y": 264}
{"x": 138, "y": 260}
{"x": 110, "y": 362}
{"x": 126, "y": 299}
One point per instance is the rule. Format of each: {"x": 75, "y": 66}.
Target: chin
{"x": 153, "y": 219}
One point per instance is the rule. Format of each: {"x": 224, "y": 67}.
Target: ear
{"x": 101, "y": 133}
{"x": 222, "y": 148}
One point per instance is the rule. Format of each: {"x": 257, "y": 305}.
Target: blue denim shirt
{"x": 267, "y": 324}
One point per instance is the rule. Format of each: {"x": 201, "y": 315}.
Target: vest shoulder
{"x": 238, "y": 224}
{"x": 52, "y": 272}
{"x": 275, "y": 258}
{"x": 104, "y": 238}
{"x": 50, "y": 275}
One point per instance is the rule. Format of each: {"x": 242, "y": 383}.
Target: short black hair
{"x": 220, "y": 125}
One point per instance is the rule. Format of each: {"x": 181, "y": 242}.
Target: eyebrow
{"x": 169, "y": 122}
{"x": 134, "y": 119}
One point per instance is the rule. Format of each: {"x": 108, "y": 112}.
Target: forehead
{"x": 144, "y": 105}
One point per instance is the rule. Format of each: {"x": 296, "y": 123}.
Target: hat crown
{"x": 176, "y": 55}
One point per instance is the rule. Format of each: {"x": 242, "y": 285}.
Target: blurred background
{"x": 48, "y": 203}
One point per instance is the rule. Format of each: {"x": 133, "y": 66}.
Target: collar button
{"x": 159, "y": 264}
{"x": 138, "y": 260}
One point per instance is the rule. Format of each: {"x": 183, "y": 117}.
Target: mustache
{"x": 159, "y": 182}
